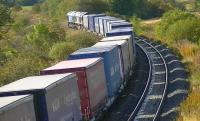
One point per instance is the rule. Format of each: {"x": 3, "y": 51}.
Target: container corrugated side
{"x": 111, "y": 65}
{"x": 19, "y": 108}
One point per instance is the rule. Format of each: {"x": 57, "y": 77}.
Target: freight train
{"x": 81, "y": 87}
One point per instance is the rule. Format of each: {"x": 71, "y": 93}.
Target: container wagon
{"x": 127, "y": 38}
{"x": 91, "y": 79}
{"x": 110, "y": 22}
{"x": 56, "y": 97}
{"x": 124, "y": 56}
{"x": 116, "y": 25}
{"x": 91, "y": 21}
{"x": 17, "y": 108}
{"x": 121, "y": 32}
{"x": 111, "y": 61}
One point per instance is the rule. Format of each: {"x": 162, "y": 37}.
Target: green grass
{"x": 27, "y": 7}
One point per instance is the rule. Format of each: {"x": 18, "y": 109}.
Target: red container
{"x": 91, "y": 82}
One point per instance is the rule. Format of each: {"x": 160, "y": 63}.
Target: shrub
{"x": 60, "y": 51}
{"x": 177, "y": 25}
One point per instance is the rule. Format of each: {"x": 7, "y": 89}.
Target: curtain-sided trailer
{"x": 124, "y": 53}
{"x": 91, "y": 83}
{"x": 124, "y": 31}
{"x": 56, "y": 97}
{"x": 111, "y": 61}
{"x": 17, "y": 108}
{"x": 127, "y": 38}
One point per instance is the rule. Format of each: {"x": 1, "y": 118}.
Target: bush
{"x": 60, "y": 51}
{"x": 21, "y": 67}
{"x": 178, "y": 25}
{"x": 20, "y": 23}
{"x": 82, "y": 39}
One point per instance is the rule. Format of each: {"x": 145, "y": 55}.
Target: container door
{"x": 84, "y": 94}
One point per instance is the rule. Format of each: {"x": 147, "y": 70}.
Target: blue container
{"x": 91, "y": 21}
{"x": 121, "y": 32}
{"x": 56, "y": 97}
{"x": 105, "y": 27}
{"x": 120, "y": 24}
{"x": 111, "y": 60}
{"x": 101, "y": 23}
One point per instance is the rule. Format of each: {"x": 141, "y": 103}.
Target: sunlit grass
{"x": 27, "y": 7}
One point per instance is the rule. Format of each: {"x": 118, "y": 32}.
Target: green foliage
{"x": 58, "y": 8}
{"x": 60, "y": 51}
{"x": 136, "y": 24}
{"x": 20, "y": 23}
{"x": 4, "y": 15}
{"x": 44, "y": 36}
{"x": 139, "y": 8}
{"x": 178, "y": 25}
{"x": 21, "y": 67}
{"x": 90, "y": 6}
{"x": 82, "y": 39}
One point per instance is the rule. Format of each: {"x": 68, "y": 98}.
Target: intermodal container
{"x": 85, "y": 22}
{"x": 127, "y": 38}
{"x": 71, "y": 17}
{"x": 97, "y": 27}
{"x": 17, "y": 108}
{"x": 56, "y": 97}
{"x": 101, "y": 23}
{"x": 124, "y": 31}
{"x": 119, "y": 25}
{"x": 79, "y": 17}
{"x": 124, "y": 56}
{"x": 111, "y": 60}
{"x": 115, "y": 21}
{"x": 91, "y": 79}
{"x": 92, "y": 22}
{"x": 105, "y": 24}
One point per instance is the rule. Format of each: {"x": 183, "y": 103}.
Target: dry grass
{"x": 190, "y": 108}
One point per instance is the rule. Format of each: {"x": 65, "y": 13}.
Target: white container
{"x": 17, "y": 108}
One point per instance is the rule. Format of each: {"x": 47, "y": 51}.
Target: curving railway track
{"x": 150, "y": 108}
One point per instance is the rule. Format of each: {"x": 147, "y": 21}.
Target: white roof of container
{"x": 4, "y": 101}
{"x": 80, "y": 14}
{"x": 115, "y": 38}
{"x": 80, "y": 63}
{"x": 116, "y": 21}
{"x": 109, "y": 43}
{"x": 35, "y": 82}
{"x": 71, "y": 13}
{"x": 106, "y": 17}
